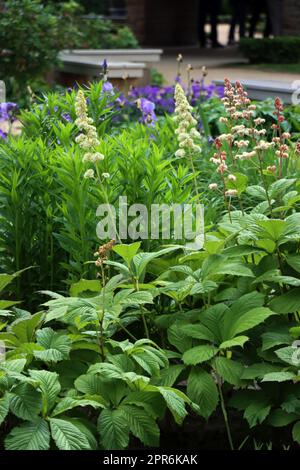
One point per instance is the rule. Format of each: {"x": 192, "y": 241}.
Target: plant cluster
{"x": 149, "y": 331}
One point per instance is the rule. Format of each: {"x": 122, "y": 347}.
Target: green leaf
{"x": 278, "y": 377}
{"x": 280, "y": 187}
{"x": 248, "y": 320}
{"x": 229, "y": 370}
{"x": 175, "y": 403}
{"x": 68, "y": 403}
{"x": 169, "y": 375}
{"x": 67, "y": 436}
{"x": 197, "y": 331}
{"x": 237, "y": 341}
{"x": 202, "y": 390}
{"x": 25, "y": 329}
{"x": 279, "y": 418}
{"x": 141, "y": 260}
{"x": 293, "y": 261}
{"x": 286, "y": 303}
{"x": 49, "y": 386}
{"x": 258, "y": 371}
{"x": 56, "y": 313}
{"x": 85, "y": 285}
{"x": 199, "y": 354}
{"x": 275, "y": 338}
{"x": 289, "y": 354}
{"x": 4, "y": 407}
{"x": 127, "y": 252}
{"x": 114, "y": 429}
{"x": 29, "y": 436}
{"x": 257, "y": 412}
{"x": 50, "y": 339}
{"x": 141, "y": 425}
{"x": 296, "y": 432}
{"x": 26, "y": 402}
{"x": 50, "y": 355}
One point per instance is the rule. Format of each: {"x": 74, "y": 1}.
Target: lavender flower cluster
{"x": 7, "y": 114}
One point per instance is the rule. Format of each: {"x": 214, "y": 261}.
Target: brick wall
{"x": 291, "y": 17}
{"x": 164, "y": 22}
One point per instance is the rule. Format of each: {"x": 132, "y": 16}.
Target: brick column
{"x": 136, "y": 18}
{"x": 291, "y": 17}
{"x": 164, "y": 22}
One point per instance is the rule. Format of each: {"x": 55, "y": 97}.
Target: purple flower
{"x": 3, "y": 135}
{"x": 107, "y": 87}
{"x": 7, "y": 110}
{"x": 66, "y": 117}
{"x": 148, "y": 111}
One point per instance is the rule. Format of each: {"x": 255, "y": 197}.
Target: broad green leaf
{"x": 141, "y": 260}
{"x": 127, "y": 252}
{"x": 4, "y": 407}
{"x": 280, "y": 418}
{"x": 26, "y": 402}
{"x": 50, "y": 339}
{"x": 256, "y": 412}
{"x": 29, "y": 436}
{"x": 199, "y": 354}
{"x": 141, "y": 425}
{"x": 175, "y": 403}
{"x": 229, "y": 370}
{"x": 290, "y": 355}
{"x": 85, "y": 285}
{"x": 169, "y": 375}
{"x": 258, "y": 371}
{"x": 286, "y": 303}
{"x": 68, "y": 403}
{"x": 278, "y": 377}
{"x": 275, "y": 338}
{"x": 202, "y": 390}
{"x": 248, "y": 320}
{"x": 197, "y": 331}
{"x": 67, "y": 436}
{"x": 237, "y": 341}
{"x": 293, "y": 261}
{"x": 25, "y": 329}
{"x": 296, "y": 432}
{"x": 114, "y": 429}
{"x": 49, "y": 385}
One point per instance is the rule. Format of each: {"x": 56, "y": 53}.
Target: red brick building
{"x": 174, "y": 22}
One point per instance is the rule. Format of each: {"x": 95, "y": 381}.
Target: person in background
{"x": 212, "y": 9}
{"x": 239, "y": 12}
{"x": 257, "y": 7}
{"x": 275, "y": 15}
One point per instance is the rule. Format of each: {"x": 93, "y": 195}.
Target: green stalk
{"x": 224, "y": 411}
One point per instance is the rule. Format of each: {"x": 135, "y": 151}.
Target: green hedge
{"x": 279, "y": 50}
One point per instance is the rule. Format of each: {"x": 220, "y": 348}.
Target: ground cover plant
{"x": 120, "y": 343}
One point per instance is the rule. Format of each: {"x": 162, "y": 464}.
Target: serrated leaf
{"x": 175, "y": 403}
{"x": 26, "y": 402}
{"x": 229, "y": 370}
{"x": 114, "y": 429}
{"x": 67, "y": 436}
{"x": 29, "y": 436}
{"x": 4, "y": 407}
{"x": 237, "y": 341}
{"x": 68, "y": 403}
{"x": 199, "y": 354}
{"x": 278, "y": 377}
{"x": 49, "y": 385}
{"x": 141, "y": 425}
{"x": 202, "y": 390}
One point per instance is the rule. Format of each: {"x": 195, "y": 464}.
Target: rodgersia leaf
{"x": 113, "y": 429}
{"x": 67, "y": 436}
{"x": 29, "y": 436}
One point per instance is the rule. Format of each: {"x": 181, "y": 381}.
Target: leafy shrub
{"x": 278, "y": 50}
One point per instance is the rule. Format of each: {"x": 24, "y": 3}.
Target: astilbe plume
{"x": 88, "y": 138}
